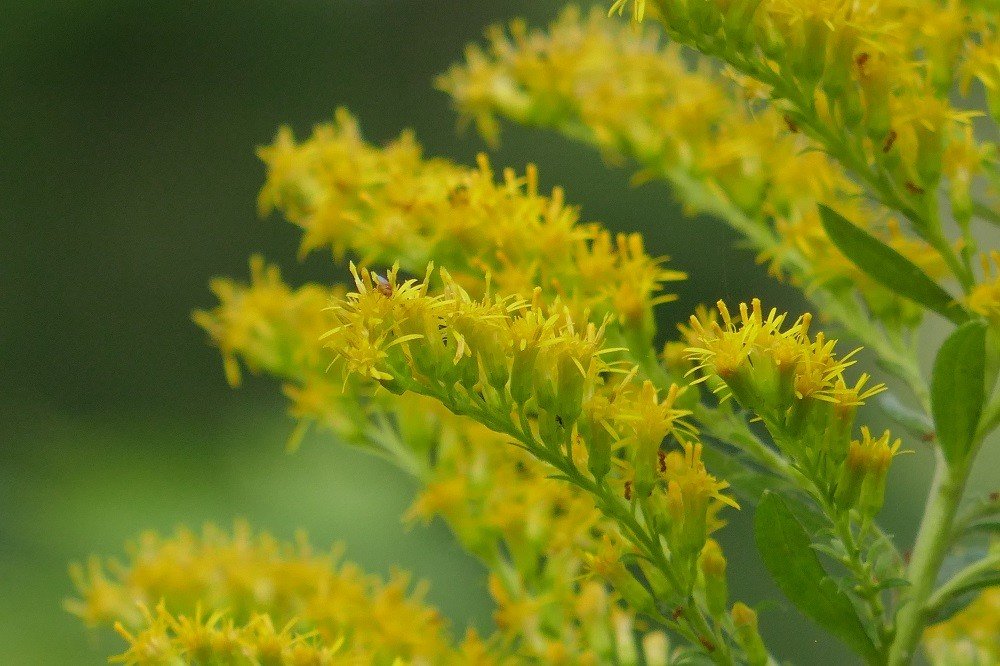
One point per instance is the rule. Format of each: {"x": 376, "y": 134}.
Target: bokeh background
{"x": 128, "y": 180}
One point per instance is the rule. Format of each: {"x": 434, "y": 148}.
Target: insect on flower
{"x": 382, "y": 285}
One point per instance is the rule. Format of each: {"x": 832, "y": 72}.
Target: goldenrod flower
{"x": 390, "y": 205}
{"x": 863, "y": 476}
{"x": 615, "y": 87}
{"x": 488, "y": 492}
{"x": 256, "y": 584}
{"x": 173, "y": 640}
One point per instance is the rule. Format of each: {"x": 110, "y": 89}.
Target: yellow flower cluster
{"x": 982, "y": 63}
{"x": 863, "y": 475}
{"x": 971, "y": 637}
{"x": 495, "y": 497}
{"x": 536, "y": 534}
{"x": 273, "y": 328}
{"x": 869, "y": 81}
{"x": 524, "y": 370}
{"x": 261, "y": 322}
{"x": 615, "y": 87}
{"x": 246, "y": 576}
{"x": 169, "y": 640}
{"x": 795, "y": 383}
{"x": 390, "y": 205}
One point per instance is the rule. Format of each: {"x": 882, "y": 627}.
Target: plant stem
{"x": 928, "y": 553}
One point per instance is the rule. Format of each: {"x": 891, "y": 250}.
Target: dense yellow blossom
{"x": 795, "y": 383}
{"x": 391, "y": 204}
{"x": 767, "y": 367}
{"x": 884, "y": 68}
{"x": 615, "y": 87}
{"x": 169, "y": 640}
{"x": 505, "y": 359}
{"x": 246, "y": 576}
{"x": 442, "y": 346}
{"x": 496, "y": 498}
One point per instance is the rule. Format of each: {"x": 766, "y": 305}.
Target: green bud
{"x": 522, "y": 374}
{"x": 747, "y": 634}
{"x": 872, "y": 495}
{"x": 713, "y": 569}
{"x": 569, "y": 390}
{"x": 597, "y": 437}
{"x": 550, "y": 430}
{"x": 852, "y": 476}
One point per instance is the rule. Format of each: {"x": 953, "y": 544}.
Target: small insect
{"x": 628, "y": 491}
{"x": 382, "y": 285}
{"x": 862, "y": 59}
{"x": 793, "y": 127}
{"x": 913, "y": 188}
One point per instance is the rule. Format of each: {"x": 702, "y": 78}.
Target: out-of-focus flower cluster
{"x": 216, "y": 639}
{"x": 555, "y": 550}
{"x": 869, "y": 82}
{"x": 971, "y": 637}
{"x": 247, "y": 594}
{"x": 985, "y": 297}
{"x": 619, "y": 89}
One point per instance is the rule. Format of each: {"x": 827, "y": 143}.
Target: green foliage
{"x": 888, "y": 267}
{"x": 958, "y": 390}
{"x": 788, "y": 554}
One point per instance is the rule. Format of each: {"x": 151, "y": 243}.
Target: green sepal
{"x": 789, "y": 557}
{"x": 888, "y": 267}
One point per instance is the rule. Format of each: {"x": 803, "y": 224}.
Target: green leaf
{"x": 789, "y": 557}
{"x": 958, "y": 389}
{"x": 888, "y": 267}
{"x": 892, "y": 583}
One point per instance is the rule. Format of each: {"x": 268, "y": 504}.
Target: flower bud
{"x": 595, "y": 433}
{"x": 522, "y": 374}
{"x": 852, "y": 475}
{"x": 874, "y": 78}
{"x": 625, "y": 638}
{"x": 873, "y": 489}
{"x": 569, "y": 389}
{"x": 748, "y": 635}
{"x": 713, "y": 569}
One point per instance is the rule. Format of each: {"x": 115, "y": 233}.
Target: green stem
{"x": 928, "y": 554}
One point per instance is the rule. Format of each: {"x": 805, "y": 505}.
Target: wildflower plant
{"x": 501, "y": 351}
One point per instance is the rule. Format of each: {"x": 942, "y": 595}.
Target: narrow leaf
{"x": 789, "y": 557}
{"x": 888, "y": 267}
{"x": 958, "y": 389}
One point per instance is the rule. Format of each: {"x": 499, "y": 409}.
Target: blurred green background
{"x": 129, "y": 179}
